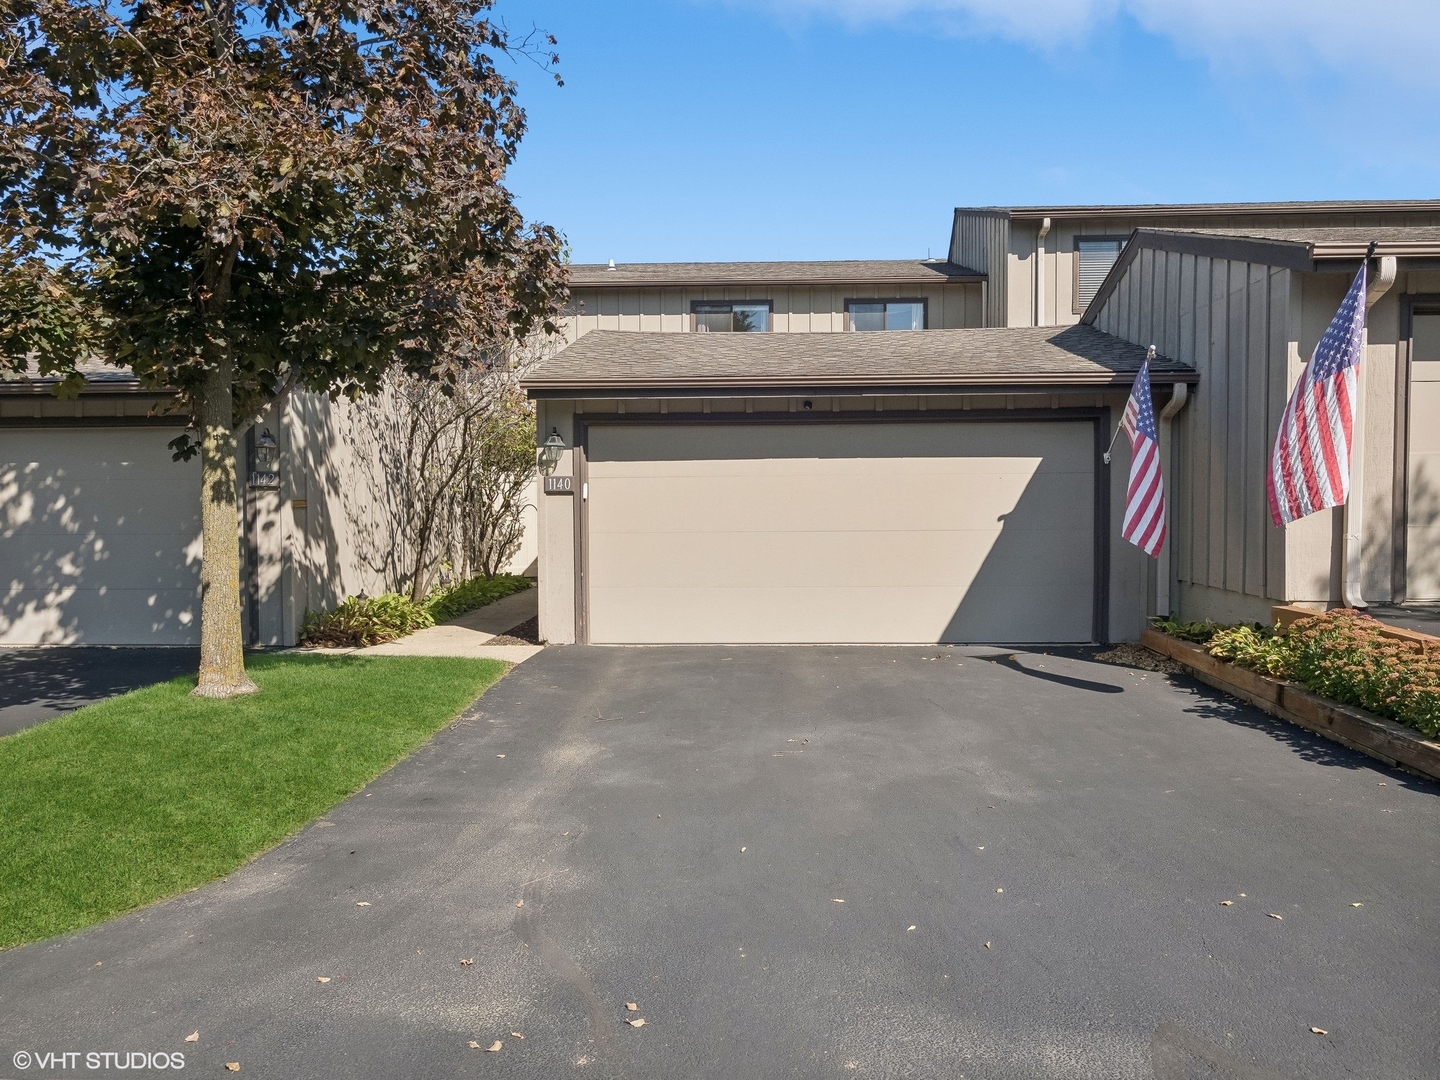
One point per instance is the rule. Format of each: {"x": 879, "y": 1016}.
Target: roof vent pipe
{"x": 1354, "y": 511}
{"x": 1040, "y": 271}
{"x": 611, "y": 266}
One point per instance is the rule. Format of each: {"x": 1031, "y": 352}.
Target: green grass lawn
{"x": 151, "y": 793}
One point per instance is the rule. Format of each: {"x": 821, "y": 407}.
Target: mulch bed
{"x": 527, "y": 633}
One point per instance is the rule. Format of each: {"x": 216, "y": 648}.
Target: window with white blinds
{"x": 1094, "y": 256}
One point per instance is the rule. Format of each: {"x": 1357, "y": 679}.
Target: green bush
{"x": 1343, "y": 655}
{"x": 1254, "y": 646}
{"x": 366, "y": 620}
{"x": 1197, "y": 632}
{"x": 452, "y": 600}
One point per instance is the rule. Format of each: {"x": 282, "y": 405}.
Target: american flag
{"x": 1310, "y": 466}
{"x": 1144, "y": 524}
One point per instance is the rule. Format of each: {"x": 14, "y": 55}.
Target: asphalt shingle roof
{"x": 841, "y": 272}
{"x": 619, "y": 361}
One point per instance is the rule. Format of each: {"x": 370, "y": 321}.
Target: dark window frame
{"x": 923, "y": 301}
{"x": 1077, "y": 308}
{"x": 768, "y": 305}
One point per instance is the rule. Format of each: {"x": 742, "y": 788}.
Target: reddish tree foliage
{"x": 237, "y": 199}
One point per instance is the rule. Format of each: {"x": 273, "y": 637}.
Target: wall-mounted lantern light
{"x": 550, "y": 452}
{"x": 266, "y": 473}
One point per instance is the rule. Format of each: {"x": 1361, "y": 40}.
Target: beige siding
{"x": 981, "y": 241}
{"x": 796, "y": 309}
{"x": 1227, "y": 319}
{"x": 1248, "y": 329}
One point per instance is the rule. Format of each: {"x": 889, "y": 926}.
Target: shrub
{"x": 1197, "y": 632}
{"x": 1343, "y": 655}
{"x": 366, "y": 620}
{"x": 1254, "y": 646}
{"x": 451, "y": 600}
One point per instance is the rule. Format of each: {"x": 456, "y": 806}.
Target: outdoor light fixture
{"x": 550, "y": 452}
{"x": 266, "y": 473}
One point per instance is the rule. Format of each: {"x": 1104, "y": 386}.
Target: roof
{"x": 1341, "y": 241}
{"x": 838, "y": 272}
{"x": 1353, "y": 206}
{"x": 611, "y": 363}
{"x": 99, "y": 377}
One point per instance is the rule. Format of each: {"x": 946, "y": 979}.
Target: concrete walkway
{"x": 470, "y": 634}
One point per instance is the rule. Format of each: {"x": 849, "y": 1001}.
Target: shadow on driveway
{"x": 41, "y": 683}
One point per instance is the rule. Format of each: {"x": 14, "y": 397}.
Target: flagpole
{"x": 1105, "y": 457}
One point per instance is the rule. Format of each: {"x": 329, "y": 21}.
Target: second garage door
{"x": 917, "y": 532}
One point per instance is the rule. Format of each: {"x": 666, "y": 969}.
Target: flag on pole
{"x": 1144, "y": 524}
{"x": 1310, "y": 465}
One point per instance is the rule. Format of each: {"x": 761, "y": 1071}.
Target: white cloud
{"x": 1379, "y": 40}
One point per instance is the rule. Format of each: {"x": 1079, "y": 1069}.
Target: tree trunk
{"x": 222, "y": 656}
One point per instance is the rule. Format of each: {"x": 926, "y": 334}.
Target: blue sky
{"x": 816, "y": 129}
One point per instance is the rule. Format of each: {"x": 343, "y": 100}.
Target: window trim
{"x": 923, "y": 301}
{"x": 1076, "y": 308}
{"x": 768, "y": 305}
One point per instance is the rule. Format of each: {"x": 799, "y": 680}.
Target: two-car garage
{"x": 923, "y": 529}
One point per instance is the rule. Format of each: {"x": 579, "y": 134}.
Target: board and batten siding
{"x": 1248, "y": 329}
{"x": 1230, "y": 321}
{"x": 980, "y": 240}
{"x": 795, "y": 308}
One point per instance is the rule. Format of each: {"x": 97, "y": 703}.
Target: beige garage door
{"x": 841, "y": 532}
{"x": 99, "y": 538}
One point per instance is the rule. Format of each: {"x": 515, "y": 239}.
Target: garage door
{"x": 841, "y": 532}
{"x": 100, "y": 535}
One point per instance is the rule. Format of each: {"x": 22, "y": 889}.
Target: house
{"x": 755, "y": 453}
{"x": 100, "y": 528}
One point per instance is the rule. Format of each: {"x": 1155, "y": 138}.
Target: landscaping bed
{"x": 373, "y": 620}
{"x": 143, "y": 796}
{"x": 1335, "y": 673}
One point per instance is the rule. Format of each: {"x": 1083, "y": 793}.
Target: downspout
{"x": 1355, "y": 504}
{"x": 1040, "y": 271}
{"x": 1179, "y": 395}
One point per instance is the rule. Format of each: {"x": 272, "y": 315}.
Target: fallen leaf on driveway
{"x": 1274, "y": 916}
{"x": 520, "y": 903}
{"x": 640, "y": 1022}
{"x": 467, "y": 963}
{"x": 232, "y": 1066}
{"x": 1227, "y": 903}
{"x": 909, "y": 928}
{"x": 194, "y": 1036}
{"x": 836, "y": 900}
{"x": 362, "y": 903}
{"x": 322, "y": 978}
{"x": 742, "y": 849}
{"x": 518, "y": 1035}
{"x": 1357, "y": 905}
{"x": 631, "y": 1006}
{"x": 1319, "y": 1031}
{"x": 494, "y": 1046}
{"x": 473, "y": 1045}
{"x": 987, "y": 944}
{"x": 499, "y": 755}
{"x": 999, "y": 890}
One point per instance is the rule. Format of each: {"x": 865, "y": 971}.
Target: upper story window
{"x": 1094, "y": 256}
{"x": 885, "y": 314}
{"x": 731, "y": 317}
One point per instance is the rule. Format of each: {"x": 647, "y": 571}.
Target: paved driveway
{"x": 1031, "y": 856}
{"x": 38, "y": 684}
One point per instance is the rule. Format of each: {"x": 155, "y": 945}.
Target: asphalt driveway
{"x": 1032, "y": 856}
{"x": 38, "y": 684}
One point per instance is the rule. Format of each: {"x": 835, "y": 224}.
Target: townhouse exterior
{"x": 849, "y": 451}
{"x": 802, "y": 480}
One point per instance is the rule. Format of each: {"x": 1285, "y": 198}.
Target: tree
{"x": 239, "y": 198}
